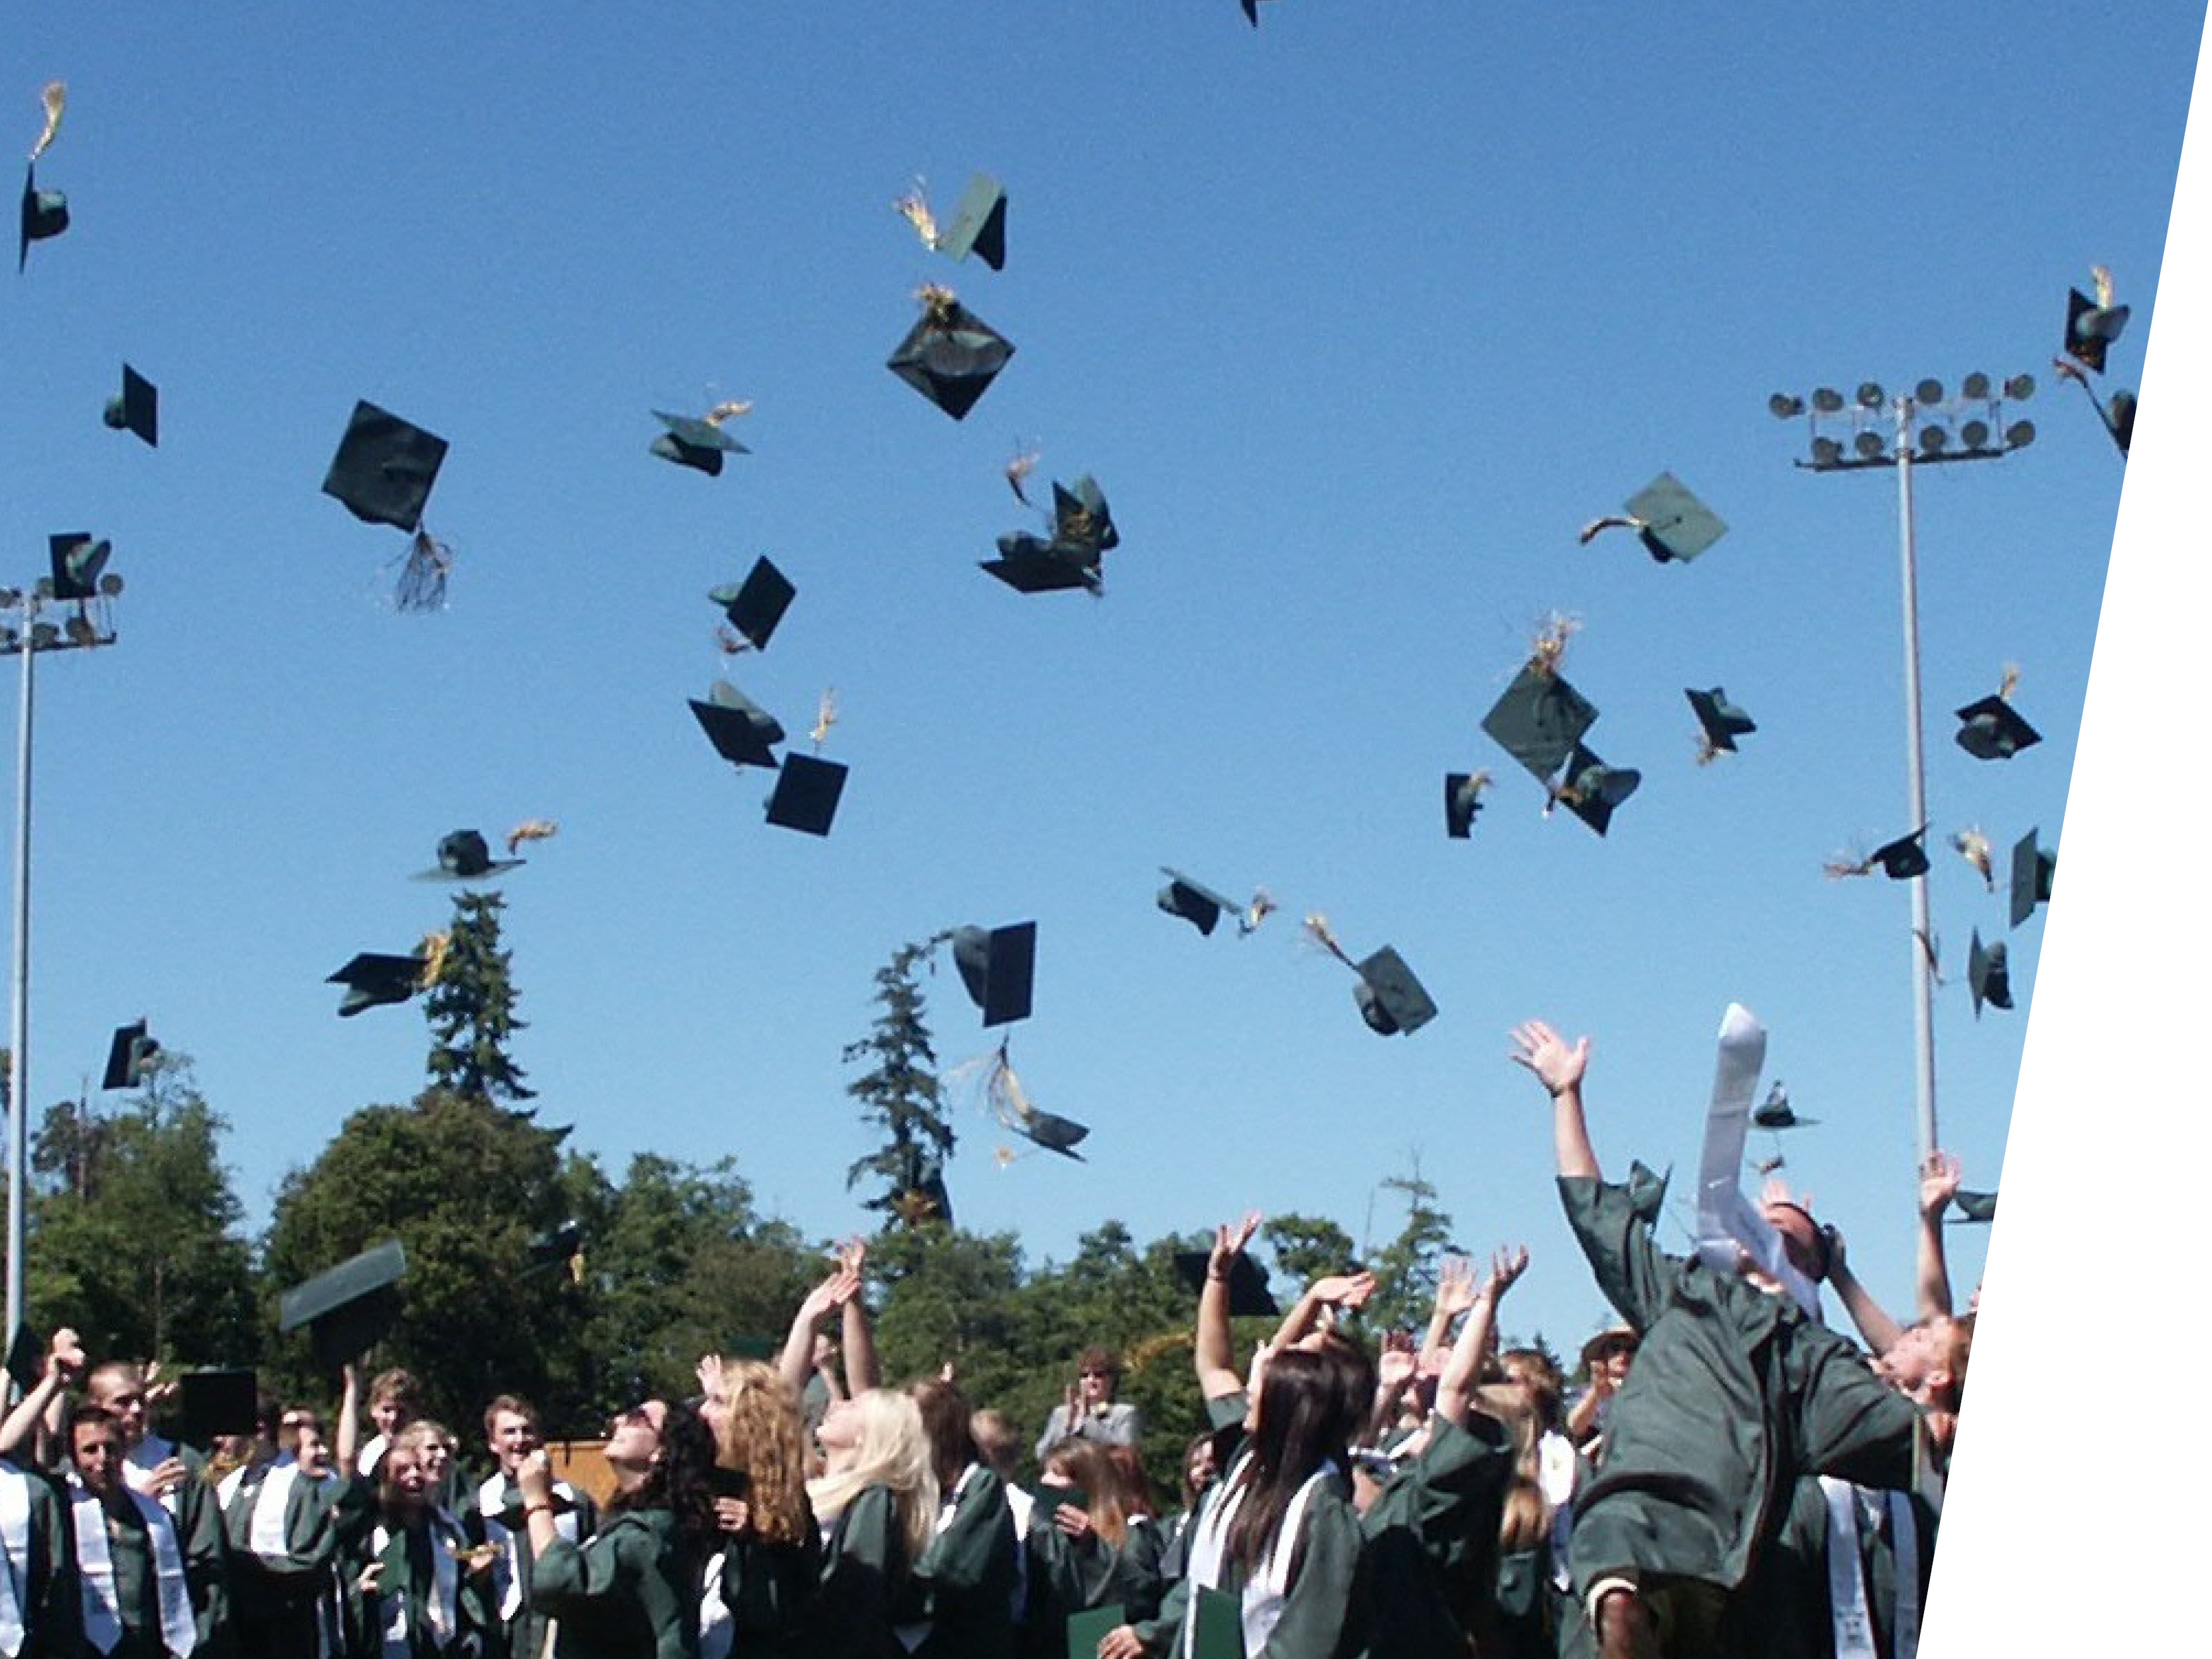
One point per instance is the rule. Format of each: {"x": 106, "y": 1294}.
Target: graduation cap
{"x": 1200, "y": 906}
{"x": 2120, "y": 418}
{"x": 1248, "y": 1283}
{"x": 1988, "y": 978}
{"x": 76, "y": 560}
{"x": 1054, "y": 1133}
{"x": 384, "y": 468}
{"x": 1463, "y": 801}
{"x": 45, "y": 214}
{"x": 214, "y": 1403}
{"x": 1009, "y": 1102}
{"x": 998, "y": 968}
{"x": 556, "y": 1247}
{"x": 137, "y": 409}
{"x": 128, "y": 1053}
{"x": 922, "y": 1196}
{"x": 1540, "y": 720}
{"x": 2091, "y": 325}
{"x": 1030, "y": 564}
{"x": 1719, "y": 721}
{"x": 1992, "y": 729}
{"x": 806, "y": 792}
{"x": 1975, "y": 1207}
{"x": 1591, "y": 790}
{"x": 757, "y": 604}
{"x": 979, "y": 224}
{"x": 1672, "y": 523}
{"x": 699, "y": 444}
{"x": 1391, "y": 1001}
{"x": 27, "y": 1357}
{"x": 348, "y": 1308}
{"x": 950, "y": 356}
{"x": 372, "y": 979}
{"x": 1775, "y": 1112}
{"x": 465, "y": 856}
{"x": 2033, "y": 870}
{"x": 1900, "y": 859}
{"x": 743, "y": 732}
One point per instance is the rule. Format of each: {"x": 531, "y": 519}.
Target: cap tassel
{"x": 2008, "y": 682}
{"x": 435, "y": 948}
{"x": 730, "y": 641}
{"x": 1708, "y": 750}
{"x": 1026, "y": 457}
{"x": 937, "y": 301}
{"x": 530, "y": 830}
{"x": 2101, "y": 277}
{"x": 1317, "y": 930}
{"x": 1843, "y": 864}
{"x": 1973, "y": 846}
{"x": 422, "y": 585}
{"x": 914, "y": 208}
{"x": 1930, "y": 948}
{"x": 825, "y": 716}
{"x": 1550, "y": 644}
{"x": 1611, "y": 521}
{"x": 56, "y": 98}
{"x": 728, "y": 410}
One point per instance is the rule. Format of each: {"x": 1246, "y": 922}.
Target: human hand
{"x": 64, "y": 1355}
{"x": 1073, "y": 1522}
{"x": 1229, "y": 1242}
{"x": 533, "y": 1477}
{"x": 732, "y": 1514}
{"x": 1394, "y": 1367}
{"x": 1120, "y": 1643}
{"x": 708, "y": 1371}
{"x": 853, "y": 1256}
{"x": 1506, "y": 1267}
{"x": 1939, "y": 1182}
{"x": 370, "y": 1579}
{"x": 165, "y": 1476}
{"x": 1257, "y": 1373}
{"x": 1344, "y": 1290}
{"x": 1454, "y": 1287}
{"x": 1544, "y": 1052}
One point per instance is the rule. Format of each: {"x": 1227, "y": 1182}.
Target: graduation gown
{"x": 868, "y": 1587}
{"x": 499, "y": 1518}
{"x": 1069, "y": 1575}
{"x": 289, "y": 1604}
{"x": 766, "y": 1589}
{"x": 1324, "y": 1614}
{"x": 968, "y": 1573}
{"x": 42, "y": 1573}
{"x": 131, "y": 1527}
{"x": 1430, "y": 1540}
{"x": 427, "y": 1604}
{"x": 630, "y": 1591}
{"x": 192, "y": 1505}
{"x": 1784, "y": 1609}
{"x": 1734, "y": 1396}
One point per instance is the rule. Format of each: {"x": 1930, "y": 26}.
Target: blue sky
{"x": 1356, "y": 323}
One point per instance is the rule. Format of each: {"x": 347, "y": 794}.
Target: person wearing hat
{"x": 511, "y": 1430}
{"x": 1606, "y": 1359}
{"x": 1675, "y": 1521}
{"x": 1089, "y": 1410}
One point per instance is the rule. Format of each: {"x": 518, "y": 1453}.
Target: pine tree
{"x": 902, "y": 1096}
{"x": 470, "y": 1008}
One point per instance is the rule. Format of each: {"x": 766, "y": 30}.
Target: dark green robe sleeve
{"x": 1849, "y": 1422}
{"x": 769, "y": 1587}
{"x": 623, "y": 1593}
{"x": 969, "y": 1573}
{"x": 1636, "y": 1276}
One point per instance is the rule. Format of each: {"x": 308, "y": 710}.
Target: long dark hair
{"x": 683, "y": 1481}
{"x": 946, "y": 1415}
{"x": 1304, "y": 1421}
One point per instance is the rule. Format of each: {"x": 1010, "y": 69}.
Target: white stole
{"x": 95, "y": 1568}
{"x": 1021, "y": 1503}
{"x": 507, "y": 1566}
{"x": 266, "y": 1535}
{"x": 442, "y": 1608}
{"x": 718, "y": 1632}
{"x": 1557, "y": 1474}
{"x": 14, "y": 1558}
{"x": 1266, "y": 1590}
{"x": 1847, "y": 1586}
{"x": 364, "y": 1462}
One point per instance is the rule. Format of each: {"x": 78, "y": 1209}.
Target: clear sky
{"x": 1356, "y": 321}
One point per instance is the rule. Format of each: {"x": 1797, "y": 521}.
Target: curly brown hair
{"x": 762, "y": 1436}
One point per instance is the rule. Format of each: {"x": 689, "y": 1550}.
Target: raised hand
{"x": 1344, "y": 1290}
{"x": 1557, "y": 1067}
{"x": 732, "y": 1514}
{"x": 1454, "y": 1287}
{"x": 1939, "y": 1182}
{"x": 1229, "y": 1242}
{"x": 1506, "y": 1267}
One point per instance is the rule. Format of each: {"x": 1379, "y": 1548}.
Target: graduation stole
{"x": 1022, "y": 1503}
{"x": 95, "y": 1569}
{"x": 1557, "y": 1475}
{"x": 1267, "y": 1589}
{"x": 1847, "y": 1588}
{"x": 717, "y": 1629}
{"x": 142, "y": 1460}
{"x": 507, "y": 1566}
{"x": 266, "y": 1534}
{"x": 441, "y": 1608}
{"x": 15, "y": 1547}
{"x": 365, "y": 1460}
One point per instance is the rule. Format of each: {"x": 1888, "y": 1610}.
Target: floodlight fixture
{"x": 1870, "y": 394}
{"x": 1975, "y": 435}
{"x": 1975, "y": 387}
{"x": 2019, "y": 435}
{"x": 1869, "y": 445}
{"x": 1827, "y": 452}
{"x": 2020, "y": 387}
{"x": 1932, "y": 439}
{"x": 1828, "y": 400}
{"x": 111, "y": 587}
{"x": 1928, "y": 393}
{"x": 1784, "y": 407}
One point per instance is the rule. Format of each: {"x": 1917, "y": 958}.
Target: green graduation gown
{"x": 867, "y": 1586}
{"x": 1431, "y": 1541}
{"x": 408, "y": 1592}
{"x": 768, "y": 1589}
{"x": 968, "y": 1573}
{"x": 283, "y": 1605}
{"x": 630, "y": 1591}
{"x": 1326, "y": 1611}
{"x": 45, "y": 1575}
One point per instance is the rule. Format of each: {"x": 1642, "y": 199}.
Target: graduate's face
{"x": 513, "y": 1438}
{"x": 840, "y": 1426}
{"x": 437, "y": 1459}
{"x": 1915, "y": 1362}
{"x": 403, "y": 1469}
{"x": 391, "y": 1414}
{"x": 633, "y": 1442}
{"x": 121, "y": 1395}
{"x": 313, "y": 1451}
{"x": 97, "y": 1454}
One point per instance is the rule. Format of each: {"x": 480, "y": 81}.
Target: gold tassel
{"x": 1024, "y": 462}
{"x": 56, "y": 98}
{"x": 1317, "y": 930}
{"x": 530, "y": 830}
{"x": 937, "y": 300}
{"x": 914, "y": 208}
{"x": 825, "y": 716}
{"x": 1974, "y": 847}
{"x": 434, "y": 947}
{"x": 1841, "y": 865}
{"x": 2008, "y": 682}
{"x": 1552, "y": 642}
{"x": 2102, "y": 277}
{"x": 728, "y": 410}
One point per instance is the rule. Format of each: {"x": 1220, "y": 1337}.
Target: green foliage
{"x": 1306, "y": 1248}
{"x": 1405, "y": 1268}
{"x": 135, "y": 1230}
{"x": 471, "y": 1008}
{"x": 900, "y": 1095}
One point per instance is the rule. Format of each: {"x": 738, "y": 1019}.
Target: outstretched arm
{"x": 1454, "y": 1296}
{"x": 1559, "y": 1068}
{"x": 1455, "y": 1387}
{"x": 1939, "y": 1182}
{"x": 64, "y": 1359}
{"x": 1331, "y": 1291}
{"x": 1874, "y": 1322}
{"x": 797, "y": 1356}
{"x": 863, "y": 1370}
{"x": 348, "y": 1446}
{"x": 1213, "y": 1351}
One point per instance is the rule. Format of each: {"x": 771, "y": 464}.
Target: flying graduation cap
{"x": 74, "y": 559}
{"x": 1672, "y": 523}
{"x": 373, "y": 980}
{"x": 978, "y": 227}
{"x": 950, "y": 356}
{"x": 1720, "y": 723}
{"x": 1248, "y": 1298}
{"x": 1900, "y": 859}
{"x": 1974, "y": 1207}
{"x": 700, "y": 443}
{"x": 1989, "y": 977}
{"x": 1203, "y": 908}
{"x": 1083, "y": 533}
{"x": 130, "y": 1051}
{"x": 136, "y": 409}
{"x": 2033, "y": 870}
{"x": 807, "y": 788}
{"x": 465, "y": 856}
{"x": 1776, "y": 1113}
{"x": 383, "y": 473}
{"x": 1389, "y": 999}
{"x": 743, "y": 732}
{"x": 1463, "y": 801}
{"x": 2091, "y": 325}
{"x": 754, "y": 607}
{"x": 1591, "y": 790}
{"x": 1991, "y": 729}
{"x": 348, "y": 1308}
{"x": 1009, "y": 1102}
{"x": 45, "y": 212}
{"x": 998, "y": 969}
{"x": 1540, "y": 718}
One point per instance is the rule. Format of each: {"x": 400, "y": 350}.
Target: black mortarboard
{"x": 694, "y": 443}
{"x": 1776, "y": 1113}
{"x": 45, "y": 213}
{"x": 1902, "y": 859}
{"x": 1251, "y": 11}
{"x": 348, "y": 1308}
{"x": 210, "y": 1404}
{"x": 554, "y": 1246}
{"x": 1054, "y": 1133}
{"x": 1721, "y": 721}
{"x": 77, "y": 560}
{"x": 384, "y": 468}
{"x": 2033, "y": 872}
{"x": 806, "y": 794}
{"x": 1201, "y": 906}
{"x": 757, "y": 604}
{"x": 1591, "y": 789}
{"x": 1030, "y": 564}
{"x": 743, "y": 732}
{"x": 465, "y": 856}
{"x": 1647, "y": 1192}
{"x": 1988, "y": 977}
{"x": 2090, "y": 328}
{"x": 128, "y": 1051}
{"x": 1391, "y": 1001}
{"x": 1975, "y": 1207}
{"x": 998, "y": 968}
{"x": 1248, "y": 1283}
{"x": 372, "y": 979}
{"x": 27, "y": 1357}
{"x": 1672, "y": 523}
{"x": 950, "y": 356}
{"x": 1540, "y": 720}
{"x": 979, "y": 224}
{"x": 137, "y": 411}
{"x": 1081, "y": 517}
{"x": 1463, "y": 801}
{"x": 2120, "y": 418}
{"x": 1993, "y": 730}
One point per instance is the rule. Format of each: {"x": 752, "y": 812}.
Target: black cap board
{"x": 743, "y": 732}
{"x": 2033, "y": 872}
{"x": 1539, "y": 720}
{"x": 1463, "y": 801}
{"x": 950, "y": 356}
{"x": 348, "y": 1308}
{"x": 213, "y": 1403}
{"x": 1248, "y": 1284}
{"x": 1720, "y": 721}
{"x": 806, "y": 794}
{"x": 1902, "y": 859}
{"x": 979, "y": 224}
{"x": 1054, "y": 1133}
{"x": 554, "y": 1247}
{"x": 76, "y": 560}
{"x": 757, "y": 604}
{"x": 27, "y": 1357}
{"x": 465, "y": 856}
{"x": 1200, "y": 906}
{"x": 692, "y": 442}
{"x": 2120, "y": 418}
{"x": 1989, "y": 977}
{"x": 1992, "y": 729}
{"x": 1591, "y": 789}
{"x": 372, "y": 979}
{"x": 384, "y": 468}
{"x": 1030, "y": 564}
{"x": 1975, "y": 1207}
{"x": 1776, "y": 1113}
{"x": 998, "y": 969}
{"x": 1672, "y": 523}
{"x": 128, "y": 1052}
{"x": 45, "y": 213}
{"x": 2090, "y": 328}
{"x": 1390, "y": 1000}
{"x": 137, "y": 409}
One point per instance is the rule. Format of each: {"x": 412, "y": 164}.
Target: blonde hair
{"x": 763, "y": 1436}
{"x": 894, "y": 1452}
{"x": 1086, "y": 1466}
{"x": 1522, "y": 1522}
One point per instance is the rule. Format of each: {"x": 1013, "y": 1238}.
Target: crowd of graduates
{"x": 1735, "y": 1479}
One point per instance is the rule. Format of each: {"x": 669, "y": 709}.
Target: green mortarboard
{"x": 979, "y": 224}
{"x": 1216, "y": 1625}
{"x": 1248, "y": 1284}
{"x": 1591, "y": 789}
{"x": 755, "y": 605}
{"x": 1721, "y": 721}
{"x": 1087, "y": 1629}
{"x": 128, "y": 1051}
{"x": 2033, "y": 872}
{"x": 806, "y": 795}
{"x": 137, "y": 411}
{"x": 1647, "y": 1193}
{"x": 213, "y": 1403}
{"x": 1201, "y": 906}
{"x": 1054, "y": 1133}
{"x": 1539, "y": 720}
{"x": 697, "y": 444}
{"x": 384, "y": 468}
{"x": 372, "y": 979}
{"x": 1030, "y": 564}
{"x": 77, "y": 560}
{"x": 1776, "y": 1113}
{"x": 27, "y": 1357}
{"x": 350, "y": 1308}
{"x": 743, "y": 732}
{"x": 2090, "y": 328}
{"x": 998, "y": 969}
{"x": 950, "y": 356}
{"x": 1993, "y": 730}
{"x": 465, "y": 856}
{"x": 1902, "y": 859}
{"x": 1975, "y": 1207}
{"x": 1988, "y": 977}
{"x": 1463, "y": 801}
{"x": 1391, "y": 1001}
{"x": 45, "y": 213}
{"x": 1672, "y": 523}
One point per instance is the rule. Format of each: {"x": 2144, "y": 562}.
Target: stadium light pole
{"x": 23, "y": 634}
{"x": 1920, "y": 430}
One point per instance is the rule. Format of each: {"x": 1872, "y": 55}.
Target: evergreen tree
{"x": 470, "y": 1008}
{"x": 1405, "y": 1268}
{"x": 902, "y": 1096}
